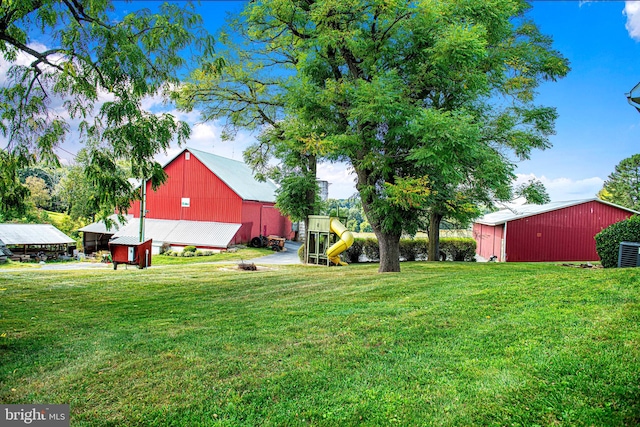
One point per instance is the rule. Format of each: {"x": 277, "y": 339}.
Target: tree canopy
{"x": 431, "y": 103}
{"x": 96, "y": 69}
{"x": 622, "y": 187}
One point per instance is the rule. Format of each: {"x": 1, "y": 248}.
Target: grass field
{"x": 447, "y": 344}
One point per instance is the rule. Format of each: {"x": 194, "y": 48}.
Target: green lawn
{"x": 449, "y": 344}
{"x": 238, "y": 256}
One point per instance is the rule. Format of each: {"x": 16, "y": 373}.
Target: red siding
{"x": 488, "y": 240}
{"x": 210, "y": 199}
{"x": 262, "y": 218}
{"x": 120, "y": 253}
{"x": 561, "y": 235}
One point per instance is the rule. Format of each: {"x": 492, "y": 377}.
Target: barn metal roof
{"x": 100, "y": 227}
{"x": 523, "y": 211}
{"x": 181, "y": 232}
{"x": 238, "y": 176}
{"x": 33, "y": 234}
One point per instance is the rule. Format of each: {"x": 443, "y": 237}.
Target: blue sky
{"x": 596, "y": 128}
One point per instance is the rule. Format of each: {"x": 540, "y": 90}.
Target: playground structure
{"x": 320, "y": 249}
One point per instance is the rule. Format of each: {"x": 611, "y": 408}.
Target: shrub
{"x": 188, "y": 254}
{"x": 189, "y": 249}
{"x": 166, "y": 247}
{"x": 608, "y": 240}
{"x": 301, "y": 253}
{"x": 352, "y": 255}
{"x": 409, "y": 249}
{"x": 371, "y": 249}
{"x": 459, "y": 248}
{"x": 198, "y": 253}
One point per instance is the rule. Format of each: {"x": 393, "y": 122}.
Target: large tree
{"x": 622, "y": 187}
{"x": 96, "y": 69}
{"x": 431, "y": 103}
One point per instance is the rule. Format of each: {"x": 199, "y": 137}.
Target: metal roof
{"x": 238, "y": 176}
{"x": 181, "y": 232}
{"x": 100, "y": 227}
{"x": 126, "y": 240}
{"x": 33, "y": 234}
{"x": 523, "y": 211}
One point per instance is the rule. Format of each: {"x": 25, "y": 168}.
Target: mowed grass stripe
{"x": 438, "y": 344}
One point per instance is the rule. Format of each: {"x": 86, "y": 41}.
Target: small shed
{"x": 558, "y": 231}
{"x": 26, "y": 240}
{"x": 96, "y": 236}
{"x": 131, "y": 251}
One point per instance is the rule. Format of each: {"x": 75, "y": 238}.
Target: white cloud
{"x": 563, "y": 189}
{"x": 632, "y": 12}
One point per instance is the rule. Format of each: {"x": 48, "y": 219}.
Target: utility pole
{"x": 143, "y": 208}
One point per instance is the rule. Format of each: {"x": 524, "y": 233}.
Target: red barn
{"x": 210, "y": 202}
{"x": 559, "y": 231}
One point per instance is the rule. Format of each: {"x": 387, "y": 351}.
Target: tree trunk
{"x": 389, "y": 244}
{"x": 433, "y": 252}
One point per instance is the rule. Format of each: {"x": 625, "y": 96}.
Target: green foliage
{"x": 403, "y": 91}
{"x": 459, "y": 248}
{"x": 534, "y": 192}
{"x": 454, "y": 248}
{"x": 608, "y": 240}
{"x": 622, "y": 187}
{"x": 352, "y": 254}
{"x": 92, "y": 53}
{"x": 39, "y": 193}
{"x": 13, "y": 195}
{"x": 371, "y": 249}
{"x": 410, "y": 249}
{"x": 189, "y": 249}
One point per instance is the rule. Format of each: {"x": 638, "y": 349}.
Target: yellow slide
{"x": 345, "y": 242}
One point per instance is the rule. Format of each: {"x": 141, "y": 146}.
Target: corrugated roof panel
{"x": 238, "y": 176}
{"x": 197, "y": 233}
{"x": 126, "y": 240}
{"x": 100, "y": 227}
{"x": 33, "y": 234}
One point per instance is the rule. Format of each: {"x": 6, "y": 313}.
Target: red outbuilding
{"x": 559, "y": 231}
{"x": 210, "y": 202}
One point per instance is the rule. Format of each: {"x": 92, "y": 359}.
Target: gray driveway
{"x": 285, "y": 257}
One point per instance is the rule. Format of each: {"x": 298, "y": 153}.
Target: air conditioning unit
{"x": 629, "y": 254}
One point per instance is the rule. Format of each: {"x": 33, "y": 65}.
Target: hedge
{"x": 455, "y": 249}
{"x": 608, "y": 240}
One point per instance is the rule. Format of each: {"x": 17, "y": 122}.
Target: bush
{"x": 352, "y": 255}
{"x": 459, "y": 248}
{"x": 188, "y": 254}
{"x": 410, "y": 249}
{"x": 166, "y": 247}
{"x": 608, "y": 240}
{"x": 189, "y": 249}
{"x": 371, "y": 249}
